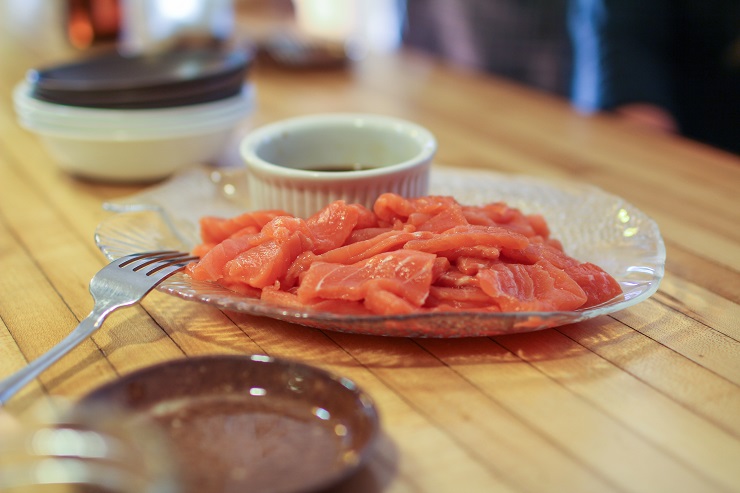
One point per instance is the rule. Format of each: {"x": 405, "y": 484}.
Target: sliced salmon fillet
{"x": 332, "y": 225}
{"x": 406, "y": 273}
{"x": 351, "y": 253}
{"x": 442, "y": 298}
{"x": 539, "y": 225}
{"x": 241, "y": 288}
{"x": 211, "y": 265}
{"x": 500, "y": 214}
{"x": 202, "y": 249}
{"x": 441, "y": 265}
{"x": 441, "y": 221}
{"x": 472, "y": 265}
{"x": 362, "y": 234}
{"x": 390, "y": 208}
{"x": 469, "y": 236}
{"x": 289, "y": 299}
{"x": 538, "y": 287}
{"x": 284, "y": 238}
{"x": 598, "y": 285}
{"x": 384, "y": 301}
{"x": 454, "y": 278}
{"x": 216, "y": 229}
{"x": 365, "y": 217}
{"x": 267, "y": 262}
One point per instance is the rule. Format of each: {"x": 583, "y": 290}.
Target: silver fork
{"x": 123, "y": 282}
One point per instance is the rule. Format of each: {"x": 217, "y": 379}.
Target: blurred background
{"x": 668, "y": 66}
{"x": 524, "y": 40}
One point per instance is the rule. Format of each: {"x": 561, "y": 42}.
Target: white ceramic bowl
{"x": 299, "y": 165}
{"x": 132, "y": 145}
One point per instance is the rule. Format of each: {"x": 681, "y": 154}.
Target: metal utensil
{"x": 121, "y": 283}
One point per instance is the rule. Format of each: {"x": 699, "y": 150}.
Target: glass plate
{"x": 593, "y": 226}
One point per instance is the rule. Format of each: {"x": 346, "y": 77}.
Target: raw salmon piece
{"x": 556, "y": 257}
{"x": 385, "y": 302}
{"x": 550, "y": 250}
{"x": 554, "y": 243}
{"x": 441, "y": 265}
{"x": 272, "y": 251}
{"x": 433, "y": 204}
{"x": 287, "y": 299}
{"x": 468, "y": 236}
{"x": 362, "y": 250}
{"x": 444, "y": 220}
{"x": 539, "y": 225}
{"x": 453, "y": 278}
{"x": 500, "y": 214}
{"x": 217, "y": 229}
{"x": 365, "y": 217}
{"x": 390, "y": 207}
{"x": 528, "y": 255}
{"x": 267, "y": 262}
{"x": 520, "y": 225}
{"x": 202, "y": 249}
{"x": 477, "y": 216}
{"x": 332, "y": 225}
{"x": 249, "y": 230}
{"x": 366, "y": 234}
{"x": 282, "y": 227}
{"x": 489, "y": 214}
{"x": 370, "y": 233}
{"x": 407, "y": 273}
{"x": 241, "y": 288}
{"x": 471, "y": 265}
{"x": 351, "y": 253}
{"x": 415, "y": 219}
{"x": 476, "y": 251}
{"x": 342, "y": 307}
{"x": 458, "y": 298}
{"x": 296, "y": 270}
{"x": 538, "y": 287}
{"x": 277, "y": 296}
{"x": 211, "y": 266}
{"x": 598, "y": 285}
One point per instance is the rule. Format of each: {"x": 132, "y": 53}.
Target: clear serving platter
{"x": 593, "y": 226}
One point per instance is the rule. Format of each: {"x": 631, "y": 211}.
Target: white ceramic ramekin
{"x": 284, "y": 158}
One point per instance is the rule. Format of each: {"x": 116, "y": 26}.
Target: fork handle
{"x": 87, "y": 326}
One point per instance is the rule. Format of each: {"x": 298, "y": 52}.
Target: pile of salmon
{"x": 426, "y": 254}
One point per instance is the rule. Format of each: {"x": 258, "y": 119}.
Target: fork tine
{"x": 149, "y": 256}
{"x": 165, "y": 271}
{"x": 173, "y": 264}
{"x": 140, "y": 261}
{"x": 128, "y": 259}
{"x": 154, "y": 261}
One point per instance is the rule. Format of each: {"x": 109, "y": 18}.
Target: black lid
{"x": 175, "y": 78}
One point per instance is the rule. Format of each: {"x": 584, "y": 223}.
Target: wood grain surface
{"x": 644, "y": 400}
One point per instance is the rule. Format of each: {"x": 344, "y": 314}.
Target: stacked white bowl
{"x": 132, "y": 145}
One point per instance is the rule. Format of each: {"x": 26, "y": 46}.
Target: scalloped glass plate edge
{"x": 150, "y": 225}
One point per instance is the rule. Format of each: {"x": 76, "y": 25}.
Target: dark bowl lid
{"x": 169, "y": 79}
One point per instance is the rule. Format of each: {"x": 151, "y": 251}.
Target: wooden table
{"x": 644, "y": 400}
